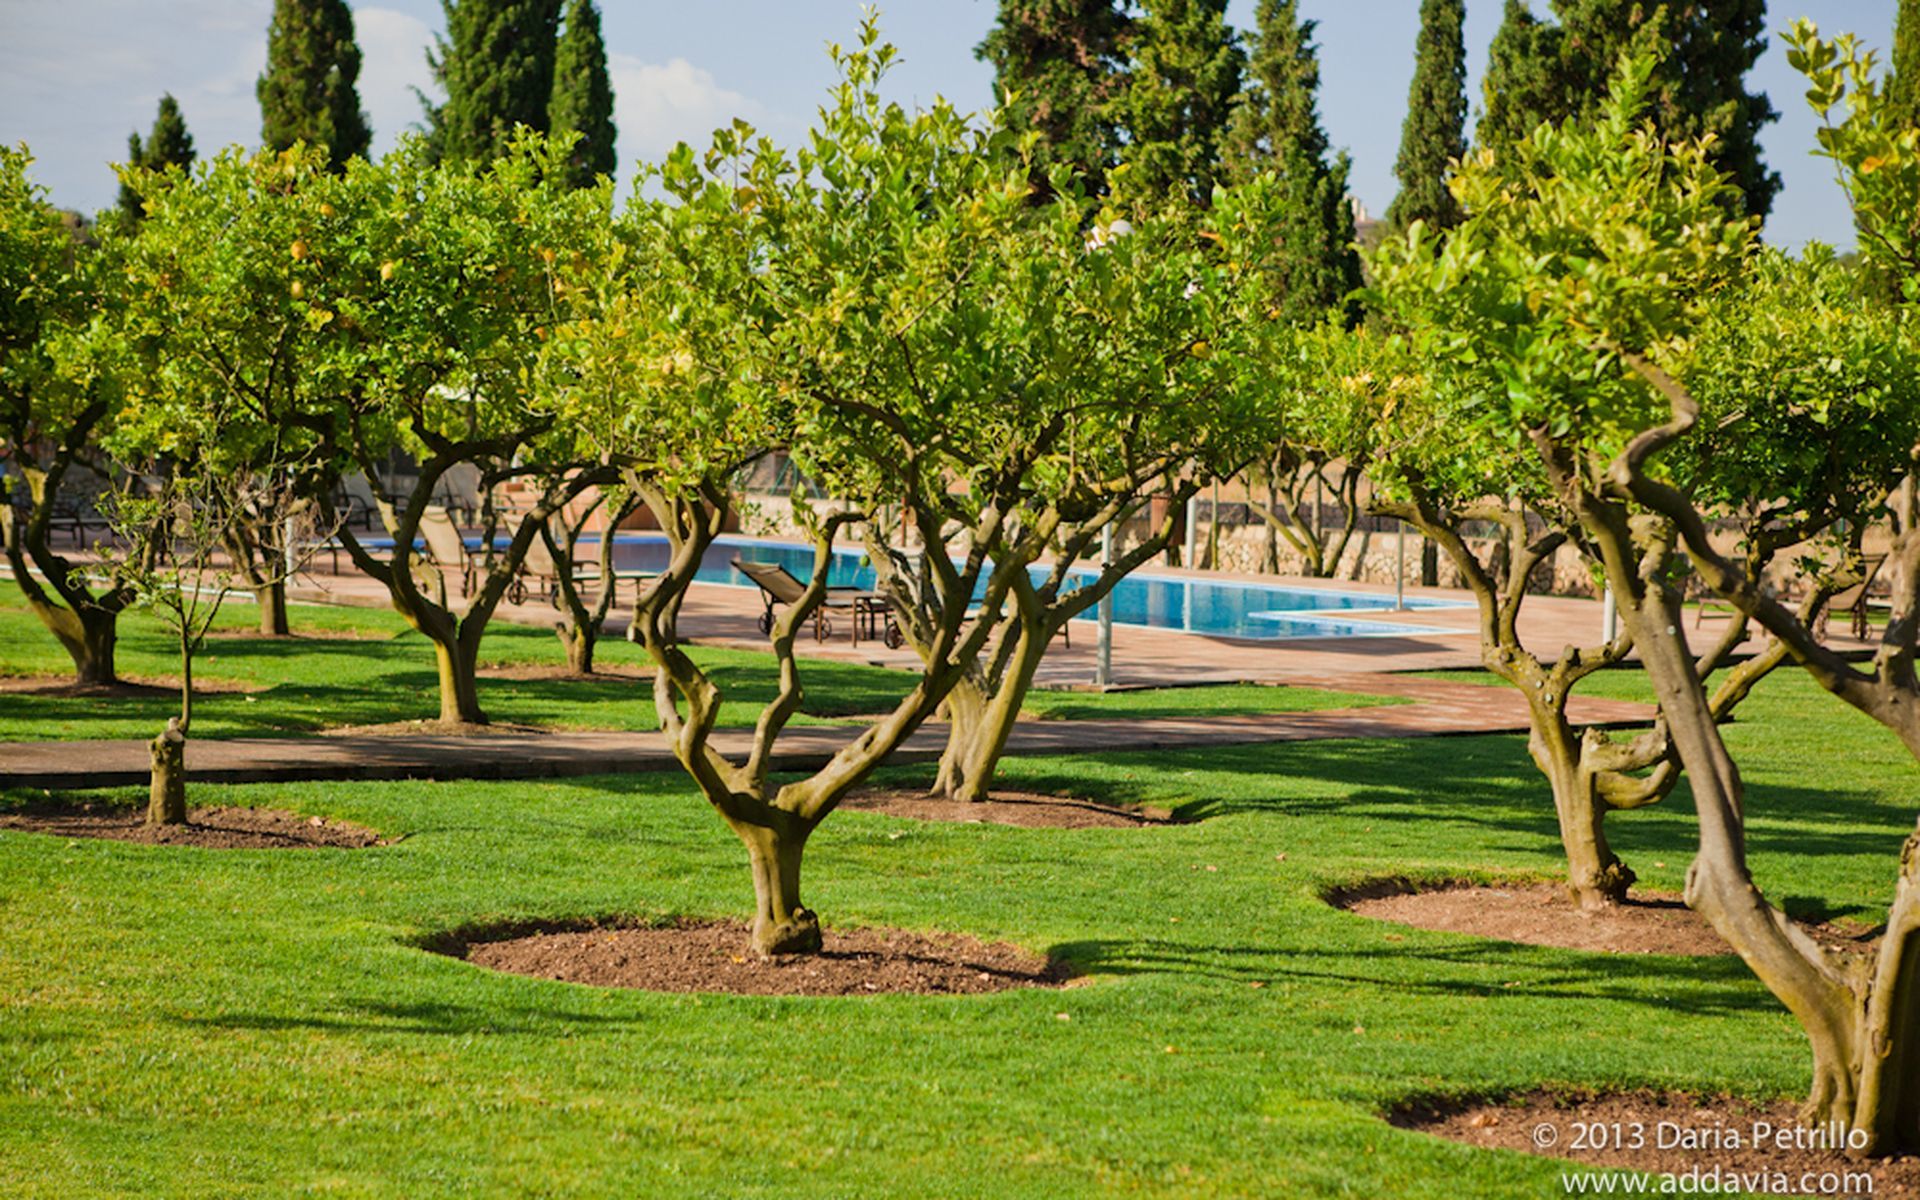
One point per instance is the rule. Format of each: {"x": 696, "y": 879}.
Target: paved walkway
{"x": 1439, "y": 707}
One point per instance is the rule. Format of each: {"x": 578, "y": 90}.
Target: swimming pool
{"x": 1218, "y": 608}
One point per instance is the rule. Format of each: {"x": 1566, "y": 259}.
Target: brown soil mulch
{"x": 1683, "y": 1135}
{"x": 551, "y": 671}
{"x": 1540, "y": 914}
{"x": 713, "y": 956}
{"x": 412, "y": 728}
{"x": 1031, "y": 810}
{"x": 212, "y": 828}
{"x": 128, "y": 686}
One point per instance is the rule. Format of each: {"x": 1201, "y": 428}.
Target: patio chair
{"x": 446, "y": 549}
{"x": 778, "y": 586}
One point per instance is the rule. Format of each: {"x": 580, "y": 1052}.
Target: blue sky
{"x": 76, "y": 76}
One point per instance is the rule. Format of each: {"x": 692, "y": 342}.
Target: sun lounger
{"x": 778, "y": 586}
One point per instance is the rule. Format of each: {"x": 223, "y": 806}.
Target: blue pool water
{"x": 1220, "y": 609}
{"x": 1216, "y": 608}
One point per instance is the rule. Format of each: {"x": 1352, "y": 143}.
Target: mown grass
{"x": 176, "y": 1022}
{"x": 364, "y": 666}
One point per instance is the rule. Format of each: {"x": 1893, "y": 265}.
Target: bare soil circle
{"x": 1746, "y": 1147}
{"x": 210, "y": 828}
{"x": 1031, "y": 810}
{"x": 1540, "y": 914}
{"x": 713, "y": 956}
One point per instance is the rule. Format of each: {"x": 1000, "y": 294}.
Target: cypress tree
{"x": 582, "y": 100}
{"x": 308, "y": 93}
{"x": 1276, "y": 127}
{"x": 1699, "y": 87}
{"x": 1434, "y": 134}
{"x": 1184, "y": 64}
{"x": 168, "y": 144}
{"x": 1903, "y": 89}
{"x": 1058, "y": 70}
{"x": 1523, "y": 84}
{"x": 496, "y": 67}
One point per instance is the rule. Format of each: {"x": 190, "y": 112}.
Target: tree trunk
{"x": 579, "y": 642}
{"x": 1812, "y": 985}
{"x": 93, "y": 653}
{"x": 272, "y": 600}
{"x": 1429, "y": 563}
{"x": 781, "y": 924}
{"x": 966, "y": 708}
{"x": 981, "y": 724}
{"x": 1888, "y": 1108}
{"x": 89, "y": 639}
{"x": 459, "y": 682}
{"x": 1596, "y": 878}
{"x": 167, "y": 792}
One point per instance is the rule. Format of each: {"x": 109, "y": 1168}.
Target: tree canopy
{"x": 1184, "y": 65}
{"x": 1903, "y": 84}
{"x": 582, "y": 102}
{"x": 496, "y": 65}
{"x": 1276, "y": 128}
{"x": 1434, "y": 134}
{"x": 308, "y": 92}
{"x": 1539, "y": 71}
{"x": 1059, "y": 70}
{"x": 168, "y": 144}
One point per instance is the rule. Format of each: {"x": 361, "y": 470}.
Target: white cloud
{"x": 393, "y": 61}
{"x": 657, "y": 105}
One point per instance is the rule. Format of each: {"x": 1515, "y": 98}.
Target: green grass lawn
{"x": 362, "y": 666}
{"x": 177, "y": 1022}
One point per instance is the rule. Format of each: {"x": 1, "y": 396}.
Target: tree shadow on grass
{"x": 1705, "y": 986}
{"x": 1482, "y": 780}
{"x": 434, "y": 1018}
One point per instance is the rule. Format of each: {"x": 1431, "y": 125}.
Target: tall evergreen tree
{"x": 1058, "y": 69}
{"x": 1904, "y": 87}
{"x": 168, "y": 144}
{"x": 1434, "y": 134}
{"x": 496, "y": 66}
{"x": 1523, "y": 83}
{"x": 1184, "y": 65}
{"x": 582, "y": 96}
{"x": 1276, "y": 127}
{"x": 308, "y": 93}
{"x": 1700, "y": 87}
